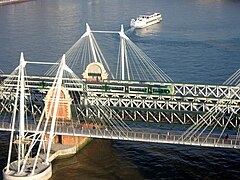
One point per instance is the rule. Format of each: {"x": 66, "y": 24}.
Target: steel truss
{"x": 186, "y": 106}
{"x": 172, "y": 109}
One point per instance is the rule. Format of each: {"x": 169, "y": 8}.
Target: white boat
{"x": 146, "y": 20}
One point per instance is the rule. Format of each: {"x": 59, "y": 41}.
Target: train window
{"x": 94, "y": 87}
{"x": 158, "y": 90}
{"x": 136, "y": 89}
{"x": 161, "y": 90}
{"x": 116, "y": 88}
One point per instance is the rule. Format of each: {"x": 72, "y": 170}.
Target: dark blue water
{"x": 198, "y": 41}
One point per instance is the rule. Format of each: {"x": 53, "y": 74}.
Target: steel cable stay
{"x": 69, "y": 53}
{"x": 6, "y": 86}
{"x": 76, "y": 96}
{"x": 1, "y": 71}
{"x": 209, "y": 124}
{"x": 95, "y": 110}
{"x": 10, "y": 79}
{"x": 96, "y": 119}
{"x": 86, "y": 55}
{"x": 139, "y": 61}
{"x": 134, "y": 68}
{"x": 206, "y": 119}
{"x": 234, "y": 79}
{"x": 109, "y": 116}
{"x": 192, "y": 128}
{"x": 100, "y": 56}
{"x": 29, "y": 99}
{"x": 137, "y": 65}
{"x": 153, "y": 68}
{"x": 116, "y": 121}
{"x": 210, "y": 119}
{"x": 105, "y": 116}
{"x": 217, "y": 122}
{"x": 72, "y": 57}
{"x": 147, "y": 62}
{"x": 77, "y": 54}
{"x": 116, "y": 118}
{"x": 23, "y": 156}
{"x": 213, "y": 115}
{"x": 13, "y": 117}
{"x": 119, "y": 126}
{"x": 224, "y": 128}
{"x": 238, "y": 135}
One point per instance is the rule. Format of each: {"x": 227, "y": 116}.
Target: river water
{"x": 198, "y": 41}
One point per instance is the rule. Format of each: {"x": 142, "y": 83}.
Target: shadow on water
{"x": 96, "y": 161}
{"x": 106, "y": 159}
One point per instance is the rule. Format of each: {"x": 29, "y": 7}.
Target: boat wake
{"x": 130, "y": 31}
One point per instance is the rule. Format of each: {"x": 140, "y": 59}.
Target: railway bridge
{"x": 183, "y": 103}
{"x": 98, "y": 105}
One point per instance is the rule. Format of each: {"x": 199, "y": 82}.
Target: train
{"x": 131, "y": 88}
{"x": 116, "y": 86}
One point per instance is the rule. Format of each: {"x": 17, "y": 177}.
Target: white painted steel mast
{"x": 25, "y": 167}
{"x": 89, "y": 32}
{"x": 22, "y": 113}
{"x": 20, "y": 84}
{"x": 124, "y": 57}
{"x": 57, "y": 91}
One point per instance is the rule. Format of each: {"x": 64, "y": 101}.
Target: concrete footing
{"x": 63, "y": 151}
{"x": 43, "y": 171}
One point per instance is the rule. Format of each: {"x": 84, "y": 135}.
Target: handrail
{"x": 63, "y": 129}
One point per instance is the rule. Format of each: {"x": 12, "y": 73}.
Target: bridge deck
{"x": 134, "y": 135}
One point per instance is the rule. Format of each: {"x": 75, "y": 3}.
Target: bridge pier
{"x": 43, "y": 171}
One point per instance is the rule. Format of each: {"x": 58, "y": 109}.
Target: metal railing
{"x": 155, "y": 137}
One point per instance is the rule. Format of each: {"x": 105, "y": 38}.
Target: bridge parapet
{"x": 142, "y": 135}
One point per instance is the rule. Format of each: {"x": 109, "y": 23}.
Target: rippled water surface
{"x": 198, "y": 41}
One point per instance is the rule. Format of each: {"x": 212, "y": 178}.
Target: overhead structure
{"x": 26, "y": 166}
{"x": 59, "y": 106}
{"x": 99, "y": 109}
{"x": 208, "y": 125}
{"x": 132, "y": 63}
